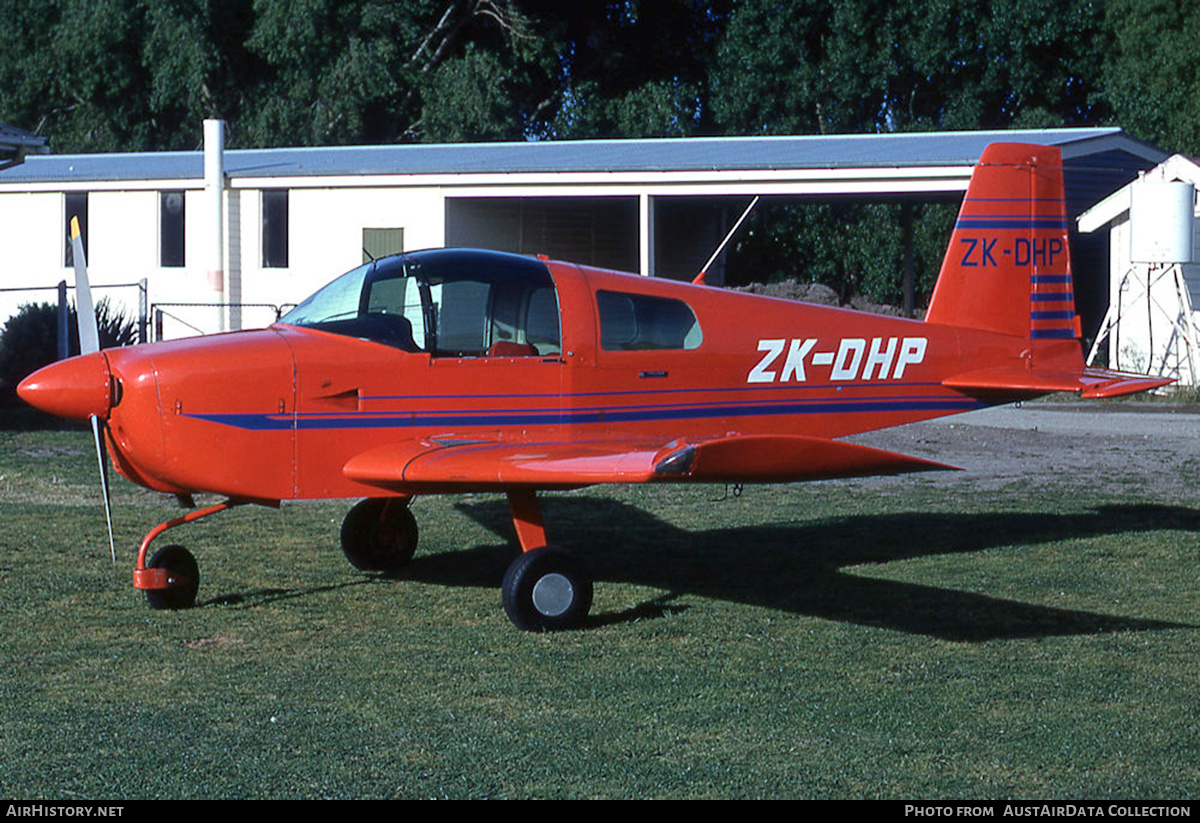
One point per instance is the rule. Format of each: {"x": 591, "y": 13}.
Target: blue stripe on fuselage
{"x": 404, "y": 420}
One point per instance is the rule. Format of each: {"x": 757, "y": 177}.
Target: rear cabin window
{"x": 639, "y": 322}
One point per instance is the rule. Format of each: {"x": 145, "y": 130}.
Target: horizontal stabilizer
{"x": 733, "y": 459}
{"x": 1100, "y": 383}
{"x": 1089, "y": 383}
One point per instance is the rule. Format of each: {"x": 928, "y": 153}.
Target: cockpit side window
{"x": 639, "y": 322}
{"x": 461, "y": 309}
{"x": 541, "y": 321}
{"x": 366, "y": 303}
{"x": 449, "y": 303}
{"x": 396, "y": 301}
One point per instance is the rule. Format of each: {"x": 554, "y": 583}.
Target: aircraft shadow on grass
{"x": 798, "y": 567}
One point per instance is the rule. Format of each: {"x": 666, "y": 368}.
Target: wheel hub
{"x": 553, "y": 594}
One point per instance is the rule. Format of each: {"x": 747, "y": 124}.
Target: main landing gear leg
{"x": 545, "y": 588}
{"x": 172, "y": 578}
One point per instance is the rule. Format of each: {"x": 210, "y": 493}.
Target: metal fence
{"x": 64, "y": 328}
{"x": 160, "y": 312}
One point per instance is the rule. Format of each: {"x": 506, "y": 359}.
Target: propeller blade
{"x": 89, "y": 341}
{"x": 85, "y": 310}
{"x": 101, "y": 458}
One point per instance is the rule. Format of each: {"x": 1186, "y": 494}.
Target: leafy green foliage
{"x": 857, "y": 250}
{"x": 468, "y": 100}
{"x": 109, "y": 75}
{"x": 821, "y": 66}
{"x": 628, "y": 69}
{"x": 1153, "y": 77}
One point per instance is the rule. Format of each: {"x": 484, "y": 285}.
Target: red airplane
{"x": 448, "y": 371}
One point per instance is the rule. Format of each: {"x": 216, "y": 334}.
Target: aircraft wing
{"x": 732, "y": 459}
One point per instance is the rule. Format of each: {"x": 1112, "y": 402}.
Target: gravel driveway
{"x": 1151, "y": 447}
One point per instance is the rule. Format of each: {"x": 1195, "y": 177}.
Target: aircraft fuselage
{"x": 277, "y": 413}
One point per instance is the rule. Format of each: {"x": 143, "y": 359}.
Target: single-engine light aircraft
{"x": 451, "y": 370}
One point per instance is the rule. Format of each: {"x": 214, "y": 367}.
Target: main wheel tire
{"x": 546, "y": 589}
{"x": 379, "y": 535}
{"x": 183, "y": 571}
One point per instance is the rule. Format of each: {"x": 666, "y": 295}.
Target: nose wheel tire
{"x": 546, "y": 589}
{"x": 183, "y": 574}
{"x": 379, "y": 535}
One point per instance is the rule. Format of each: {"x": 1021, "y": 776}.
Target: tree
{"x": 127, "y": 75}
{"x": 1151, "y": 75}
{"x": 375, "y": 71}
{"x": 822, "y": 66}
{"x": 624, "y": 68}
{"x": 73, "y": 69}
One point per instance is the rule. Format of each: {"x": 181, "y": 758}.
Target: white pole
{"x": 645, "y": 234}
{"x": 214, "y": 187}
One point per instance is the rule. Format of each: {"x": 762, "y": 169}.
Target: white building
{"x": 291, "y": 219}
{"x": 1153, "y": 320}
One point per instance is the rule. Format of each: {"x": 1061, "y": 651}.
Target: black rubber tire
{"x": 379, "y": 535}
{"x": 546, "y": 589}
{"x": 182, "y": 566}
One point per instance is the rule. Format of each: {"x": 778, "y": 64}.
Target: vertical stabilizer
{"x": 1008, "y": 266}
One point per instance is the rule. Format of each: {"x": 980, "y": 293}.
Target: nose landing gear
{"x": 172, "y": 578}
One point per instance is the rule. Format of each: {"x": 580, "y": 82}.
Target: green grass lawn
{"x": 910, "y": 639}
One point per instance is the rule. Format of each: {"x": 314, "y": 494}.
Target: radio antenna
{"x": 699, "y": 279}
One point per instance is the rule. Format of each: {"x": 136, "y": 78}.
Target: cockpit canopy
{"x": 447, "y": 302}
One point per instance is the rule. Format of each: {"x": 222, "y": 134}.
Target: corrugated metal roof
{"x": 920, "y": 149}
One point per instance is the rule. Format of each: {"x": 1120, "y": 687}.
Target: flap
{"x": 427, "y": 462}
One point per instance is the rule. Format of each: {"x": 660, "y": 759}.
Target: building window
{"x": 275, "y": 228}
{"x": 170, "y": 229}
{"x": 379, "y": 243}
{"x": 75, "y": 205}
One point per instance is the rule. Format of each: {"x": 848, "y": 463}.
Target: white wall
{"x": 122, "y": 244}
{"x": 325, "y": 240}
{"x": 326, "y": 234}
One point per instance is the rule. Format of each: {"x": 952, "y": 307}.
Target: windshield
{"x": 445, "y": 302}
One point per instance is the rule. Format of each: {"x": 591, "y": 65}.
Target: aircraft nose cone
{"x": 75, "y": 388}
